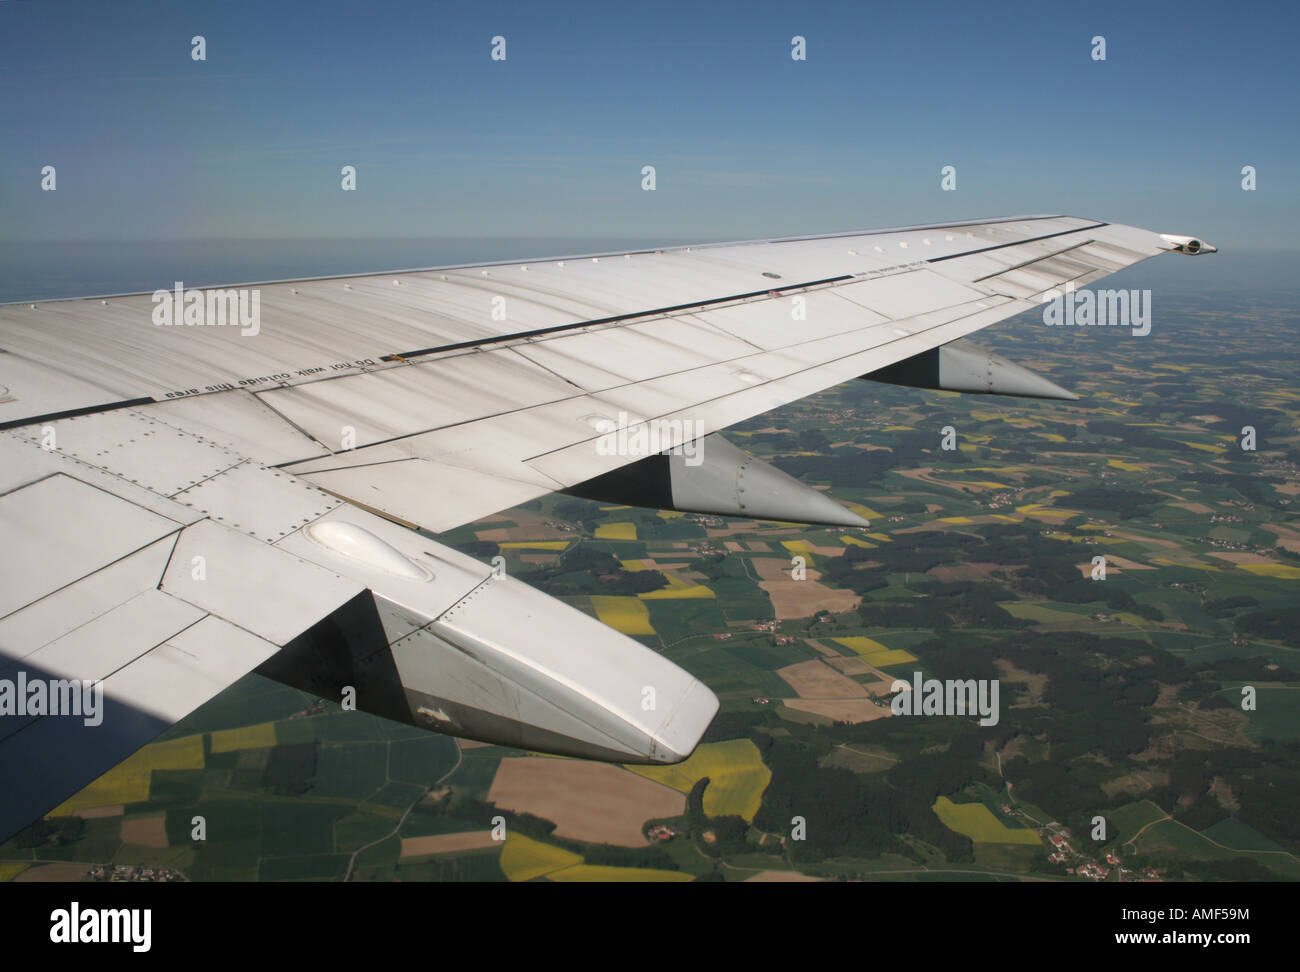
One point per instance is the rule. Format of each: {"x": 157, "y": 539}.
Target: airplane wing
{"x": 196, "y": 484}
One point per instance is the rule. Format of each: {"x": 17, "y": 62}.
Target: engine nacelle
{"x": 965, "y": 367}
{"x": 723, "y": 480}
{"x": 1188, "y": 244}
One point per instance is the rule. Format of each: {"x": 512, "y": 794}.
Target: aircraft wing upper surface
{"x": 437, "y": 397}
{"x": 184, "y": 502}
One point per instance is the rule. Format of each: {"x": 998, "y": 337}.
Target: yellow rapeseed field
{"x": 857, "y": 542}
{"x": 248, "y": 737}
{"x": 626, "y": 614}
{"x": 1284, "y": 571}
{"x": 523, "y": 858}
{"x": 874, "y": 653}
{"x": 616, "y": 531}
{"x": 978, "y": 823}
{"x": 736, "y": 772}
{"x": 676, "y": 591}
{"x": 128, "y": 782}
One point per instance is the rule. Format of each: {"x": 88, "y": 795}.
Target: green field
{"x": 1237, "y": 835}
{"x": 1277, "y": 712}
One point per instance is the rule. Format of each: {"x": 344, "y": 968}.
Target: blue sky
{"x": 550, "y": 143}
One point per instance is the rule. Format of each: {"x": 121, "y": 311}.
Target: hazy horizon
{"x": 50, "y": 270}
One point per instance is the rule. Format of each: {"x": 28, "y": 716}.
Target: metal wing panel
{"x": 68, "y": 608}
{"x": 238, "y": 571}
{"x": 432, "y": 495}
{"x": 1030, "y": 270}
{"x": 97, "y": 649}
{"x": 132, "y": 445}
{"x": 113, "y": 640}
{"x": 444, "y": 438}
{"x": 520, "y": 455}
{"x": 402, "y": 401}
{"x": 828, "y": 362}
{"x": 189, "y": 668}
{"x": 240, "y": 422}
{"x": 611, "y": 356}
{"x": 70, "y": 530}
{"x": 109, "y": 349}
{"x": 776, "y": 322}
{"x": 29, "y": 389}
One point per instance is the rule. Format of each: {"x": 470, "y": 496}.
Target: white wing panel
{"x": 617, "y": 355}
{"x": 898, "y": 295}
{"x": 22, "y": 461}
{"x": 241, "y": 422}
{"x": 830, "y": 362}
{"x": 70, "y": 607}
{"x": 159, "y": 457}
{"x": 433, "y": 495}
{"x": 33, "y": 389}
{"x": 107, "y": 350}
{"x": 97, "y": 649}
{"x": 779, "y": 321}
{"x": 263, "y": 503}
{"x": 405, "y": 400}
{"x": 234, "y": 572}
{"x": 70, "y": 530}
{"x": 115, "y": 639}
{"x": 177, "y": 677}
